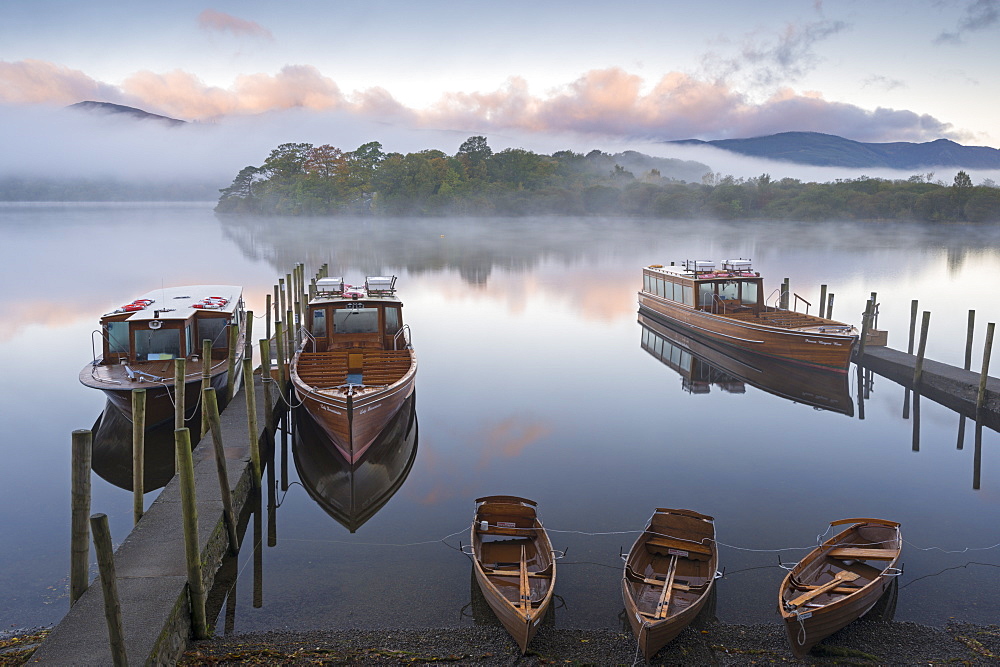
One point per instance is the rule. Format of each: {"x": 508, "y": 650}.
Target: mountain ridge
{"x": 829, "y": 150}
{"x": 111, "y": 108}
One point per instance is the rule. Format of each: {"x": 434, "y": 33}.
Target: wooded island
{"x": 302, "y": 179}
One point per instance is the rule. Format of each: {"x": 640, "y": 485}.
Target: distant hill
{"x": 137, "y": 114}
{"x": 827, "y": 150}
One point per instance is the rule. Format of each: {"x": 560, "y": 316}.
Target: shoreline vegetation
{"x": 300, "y": 179}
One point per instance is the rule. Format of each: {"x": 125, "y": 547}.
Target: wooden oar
{"x": 838, "y": 579}
{"x": 525, "y": 587}
{"x": 664, "y": 603}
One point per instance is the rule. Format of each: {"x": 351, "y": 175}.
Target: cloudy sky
{"x": 869, "y": 70}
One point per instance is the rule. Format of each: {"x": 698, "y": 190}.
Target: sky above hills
{"x": 636, "y": 71}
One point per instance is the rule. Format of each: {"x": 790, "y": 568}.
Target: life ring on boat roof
{"x": 155, "y": 324}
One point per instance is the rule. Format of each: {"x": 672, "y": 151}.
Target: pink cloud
{"x": 608, "y": 102}
{"x": 213, "y": 20}
{"x": 39, "y": 82}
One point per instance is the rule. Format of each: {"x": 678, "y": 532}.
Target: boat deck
{"x": 785, "y": 319}
{"x": 328, "y": 370}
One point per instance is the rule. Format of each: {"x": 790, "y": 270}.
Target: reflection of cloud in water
{"x": 509, "y": 438}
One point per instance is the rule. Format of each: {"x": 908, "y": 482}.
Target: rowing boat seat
{"x": 861, "y": 553}
{"x": 670, "y": 546}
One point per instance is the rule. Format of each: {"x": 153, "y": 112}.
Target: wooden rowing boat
{"x": 514, "y": 563}
{"x": 702, "y": 365}
{"x": 140, "y": 342}
{"x": 729, "y": 307}
{"x": 356, "y": 366}
{"x": 839, "y": 581}
{"x": 669, "y": 575}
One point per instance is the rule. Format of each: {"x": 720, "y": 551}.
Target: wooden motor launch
{"x": 140, "y": 341}
{"x": 356, "y": 365}
{"x": 514, "y": 563}
{"x": 669, "y": 575}
{"x": 839, "y": 581}
{"x": 728, "y": 306}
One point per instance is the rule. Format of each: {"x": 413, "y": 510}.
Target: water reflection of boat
{"x": 353, "y": 493}
{"x": 141, "y": 340}
{"x": 728, "y": 306}
{"x": 357, "y": 365}
{"x": 669, "y": 576}
{"x": 111, "y": 456}
{"x": 839, "y": 581}
{"x": 701, "y": 365}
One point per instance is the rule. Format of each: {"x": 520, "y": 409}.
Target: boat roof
{"x": 335, "y": 290}
{"x": 180, "y": 303}
{"x": 703, "y": 269}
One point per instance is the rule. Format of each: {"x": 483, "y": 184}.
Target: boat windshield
{"x": 118, "y": 337}
{"x": 156, "y": 344}
{"x": 355, "y": 320}
{"x": 749, "y": 292}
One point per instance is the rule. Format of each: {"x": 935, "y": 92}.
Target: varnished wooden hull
{"x": 353, "y": 421}
{"x": 518, "y": 588}
{"x": 159, "y": 395}
{"x": 818, "y": 388}
{"x": 815, "y": 349}
{"x": 811, "y": 622}
{"x": 354, "y": 493}
{"x": 671, "y": 536}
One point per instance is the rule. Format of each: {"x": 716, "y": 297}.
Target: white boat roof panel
{"x": 179, "y": 303}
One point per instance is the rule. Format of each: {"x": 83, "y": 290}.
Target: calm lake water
{"x": 536, "y": 379}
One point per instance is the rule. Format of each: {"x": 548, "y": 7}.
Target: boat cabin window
{"x": 213, "y": 328}
{"x": 118, "y": 337}
{"x": 355, "y": 320}
{"x": 391, "y": 320}
{"x": 749, "y": 292}
{"x": 188, "y": 338}
{"x": 688, "y": 291}
{"x": 318, "y": 327}
{"x": 156, "y": 344}
{"x": 729, "y": 290}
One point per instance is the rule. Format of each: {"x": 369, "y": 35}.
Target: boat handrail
{"x": 719, "y": 300}
{"x": 308, "y": 336}
{"x": 796, "y": 303}
{"x": 404, "y": 331}
{"x": 93, "y": 348}
{"x": 777, "y": 294}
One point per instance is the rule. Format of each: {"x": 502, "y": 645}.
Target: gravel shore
{"x": 861, "y": 643}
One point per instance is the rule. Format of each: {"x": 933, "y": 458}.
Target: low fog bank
{"x": 58, "y": 143}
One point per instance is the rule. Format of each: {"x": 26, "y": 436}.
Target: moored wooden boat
{"x": 669, "y": 576}
{"x": 728, "y": 306}
{"x": 356, "y": 365}
{"x": 514, "y": 563}
{"x": 141, "y": 340}
{"x": 839, "y": 581}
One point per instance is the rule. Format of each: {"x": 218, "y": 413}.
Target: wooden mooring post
{"x": 987, "y": 350}
{"x": 913, "y": 326}
{"x": 279, "y": 338}
{"x": 829, "y": 306}
{"x": 138, "y": 452}
{"x": 251, "y": 395}
{"x": 109, "y": 585}
{"x": 822, "y": 300}
{"x": 206, "y": 379}
{"x": 918, "y": 368}
{"x": 210, "y": 405}
{"x": 80, "y": 500}
{"x": 266, "y": 381}
{"x": 969, "y": 336}
{"x": 865, "y": 326}
{"x": 180, "y": 372}
{"x": 231, "y": 368}
{"x": 189, "y": 510}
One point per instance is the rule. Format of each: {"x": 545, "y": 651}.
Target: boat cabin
{"x": 170, "y": 323}
{"x": 343, "y": 316}
{"x": 735, "y": 288}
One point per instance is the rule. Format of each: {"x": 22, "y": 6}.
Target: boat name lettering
{"x": 506, "y": 524}
{"x": 368, "y": 408}
{"x": 329, "y": 409}
{"x": 822, "y": 342}
{"x": 677, "y": 552}
{"x": 804, "y": 616}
